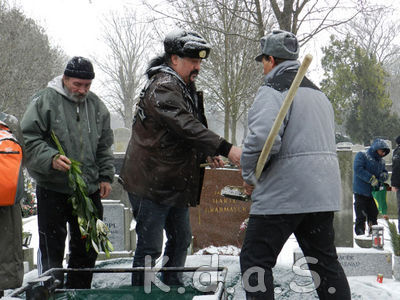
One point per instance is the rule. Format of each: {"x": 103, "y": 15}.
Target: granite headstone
{"x": 343, "y": 221}
{"x": 216, "y": 221}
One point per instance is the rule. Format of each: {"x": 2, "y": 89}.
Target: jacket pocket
{"x": 170, "y": 173}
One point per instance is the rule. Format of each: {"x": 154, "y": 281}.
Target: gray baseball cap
{"x": 280, "y": 44}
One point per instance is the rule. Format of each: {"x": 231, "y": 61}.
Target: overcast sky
{"x": 74, "y": 25}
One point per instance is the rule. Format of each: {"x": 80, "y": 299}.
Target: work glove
{"x": 373, "y": 181}
{"x": 383, "y": 176}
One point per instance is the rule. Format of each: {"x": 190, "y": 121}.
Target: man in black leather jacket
{"x": 169, "y": 141}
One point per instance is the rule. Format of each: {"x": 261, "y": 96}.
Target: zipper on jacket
{"x": 80, "y": 129}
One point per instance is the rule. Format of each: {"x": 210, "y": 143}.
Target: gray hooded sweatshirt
{"x": 83, "y": 128}
{"x": 302, "y": 172}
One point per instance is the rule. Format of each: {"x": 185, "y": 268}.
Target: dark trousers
{"x": 366, "y": 211}
{"x": 11, "y": 257}
{"x": 398, "y": 208}
{"x": 54, "y": 212}
{"x": 265, "y": 237}
{"x": 151, "y": 219}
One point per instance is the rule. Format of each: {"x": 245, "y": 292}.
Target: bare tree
{"x": 305, "y": 18}
{"x": 234, "y": 28}
{"x": 256, "y": 13}
{"x": 375, "y": 30}
{"x": 27, "y": 61}
{"x": 292, "y": 15}
{"x": 230, "y": 76}
{"x": 394, "y": 85}
{"x": 127, "y": 41}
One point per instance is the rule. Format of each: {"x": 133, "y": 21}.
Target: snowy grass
{"x": 362, "y": 287}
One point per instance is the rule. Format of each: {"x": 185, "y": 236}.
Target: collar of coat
{"x": 167, "y": 69}
{"x": 281, "y": 77}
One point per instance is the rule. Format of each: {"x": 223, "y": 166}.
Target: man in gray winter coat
{"x": 299, "y": 188}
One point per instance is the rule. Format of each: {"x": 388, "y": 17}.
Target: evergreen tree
{"x": 355, "y": 82}
{"x": 27, "y": 61}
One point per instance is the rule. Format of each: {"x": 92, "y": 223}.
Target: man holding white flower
{"x": 81, "y": 122}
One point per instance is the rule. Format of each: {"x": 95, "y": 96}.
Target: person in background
{"x": 299, "y": 188}
{"x": 81, "y": 122}
{"x": 11, "y": 259}
{"x": 395, "y": 180}
{"x": 369, "y": 172}
{"x": 170, "y": 139}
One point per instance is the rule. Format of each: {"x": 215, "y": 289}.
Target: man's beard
{"x": 78, "y": 97}
{"x": 194, "y": 72}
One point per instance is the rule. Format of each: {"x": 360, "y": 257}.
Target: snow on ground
{"x": 362, "y": 287}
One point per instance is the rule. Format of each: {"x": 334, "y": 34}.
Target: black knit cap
{"x": 79, "y": 67}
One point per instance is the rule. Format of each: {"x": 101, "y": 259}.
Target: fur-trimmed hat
{"x": 279, "y": 44}
{"x": 186, "y": 44}
{"x": 79, "y": 67}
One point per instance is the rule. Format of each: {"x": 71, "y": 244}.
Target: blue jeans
{"x": 151, "y": 219}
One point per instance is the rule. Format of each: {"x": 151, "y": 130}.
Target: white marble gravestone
{"x": 114, "y": 218}
{"x": 361, "y": 262}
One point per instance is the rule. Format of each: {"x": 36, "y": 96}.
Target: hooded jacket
{"x": 302, "y": 171}
{"x": 11, "y": 257}
{"x": 367, "y": 164}
{"x": 83, "y": 129}
{"x": 169, "y": 141}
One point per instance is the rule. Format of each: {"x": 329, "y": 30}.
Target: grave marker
{"x": 217, "y": 219}
{"x": 114, "y": 218}
{"x": 361, "y": 262}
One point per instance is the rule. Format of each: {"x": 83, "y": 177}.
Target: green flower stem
{"x": 91, "y": 227}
